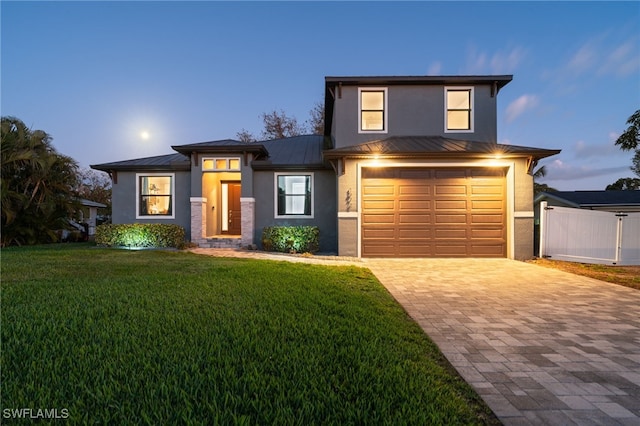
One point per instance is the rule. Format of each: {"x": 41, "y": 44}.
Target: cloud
{"x": 520, "y": 105}
{"x": 604, "y": 57}
{"x": 559, "y": 170}
{"x": 501, "y": 62}
{"x": 622, "y": 61}
{"x": 583, "y": 150}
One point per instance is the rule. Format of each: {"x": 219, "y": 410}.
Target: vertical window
{"x": 373, "y": 110}
{"x": 459, "y": 109}
{"x": 155, "y": 195}
{"x": 294, "y": 195}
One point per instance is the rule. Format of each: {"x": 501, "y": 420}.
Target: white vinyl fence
{"x": 589, "y": 236}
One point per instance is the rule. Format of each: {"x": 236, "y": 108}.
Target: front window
{"x": 294, "y": 195}
{"x": 459, "y": 114}
{"x": 373, "y": 110}
{"x": 155, "y": 195}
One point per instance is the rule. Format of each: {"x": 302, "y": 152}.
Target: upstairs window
{"x": 372, "y": 104}
{"x": 155, "y": 195}
{"x": 459, "y": 109}
{"x": 294, "y": 197}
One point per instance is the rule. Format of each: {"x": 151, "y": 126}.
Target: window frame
{"x": 276, "y": 197}
{"x": 471, "y": 109}
{"x": 172, "y": 195}
{"x": 227, "y": 162}
{"x": 385, "y": 110}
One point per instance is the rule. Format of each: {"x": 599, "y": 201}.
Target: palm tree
{"x": 37, "y": 185}
{"x": 540, "y": 187}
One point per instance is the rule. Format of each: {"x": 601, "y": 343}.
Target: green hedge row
{"x": 140, "y": 235}
{"x": 291, "y": 239}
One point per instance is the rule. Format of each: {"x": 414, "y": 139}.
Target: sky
{"x": 113, "y": 81}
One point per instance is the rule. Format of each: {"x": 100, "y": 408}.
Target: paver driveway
{"x": 539, "y": 345}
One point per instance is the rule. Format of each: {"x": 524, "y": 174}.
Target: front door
{"x": 233, "y": 216}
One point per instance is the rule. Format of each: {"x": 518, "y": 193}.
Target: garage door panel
{"x": 494, "y": 250}
{"x": 378, "y": 190}
{"x": 450, "y": 190}
{"x": 487, "y": 233}
{"x": 374, "y": 219}
{"x": 455, "y": 205}
{"x": 446, "y": 219}
{"x": 379, "y": 233}
{"x": 487, "y": 205}
{"x": 480, "y": 219}
{"x": 404, "y": 189}
{"x": 405, "y": 233}
{"x": 423, "y": 219}
{"x": 438, "y": 212}
{"x": 451, "y": 233}
{"x": 378, "y": 205}
{"x": 422, "y": 205}
{"x": 486, "y": 190}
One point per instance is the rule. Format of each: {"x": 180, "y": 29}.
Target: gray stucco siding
{"x": 414, "y": 111}
{"x": 123, "y": 200}
{"x": 324, "y": 206}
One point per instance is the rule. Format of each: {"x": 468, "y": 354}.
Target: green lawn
{"x": 159, "y": 337}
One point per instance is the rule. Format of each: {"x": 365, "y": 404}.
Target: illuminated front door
{"x": 231, "y": 218}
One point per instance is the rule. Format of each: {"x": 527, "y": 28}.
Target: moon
{"x": 145, "y": 135}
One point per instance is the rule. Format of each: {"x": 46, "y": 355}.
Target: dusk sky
{"x": 97, "y": 75}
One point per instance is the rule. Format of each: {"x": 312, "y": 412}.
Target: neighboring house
{"x": 407, "y": 167}
{"x": 612, "y": 201}
{"x": 84, "y": 221}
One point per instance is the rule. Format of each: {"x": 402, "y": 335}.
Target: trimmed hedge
{"x": 291, "y": 239}
{"x": 140, "y": 235}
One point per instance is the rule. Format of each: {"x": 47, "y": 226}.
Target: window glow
{"x": 294, "y": 195}
{"x": 155, "y": 196}
{"x": 373, "y": 106}
{"x": 459, "y": 109}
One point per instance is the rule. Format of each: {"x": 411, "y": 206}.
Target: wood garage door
{"x": 439, "y": 212}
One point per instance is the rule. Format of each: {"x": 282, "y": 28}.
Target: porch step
{"x": 221, "y": 242}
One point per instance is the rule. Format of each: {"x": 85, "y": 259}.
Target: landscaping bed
{"x": 628, "y": 276}
{"x": 155, "y": 337}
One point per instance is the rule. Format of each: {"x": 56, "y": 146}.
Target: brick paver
{"x": 539, "y": 345}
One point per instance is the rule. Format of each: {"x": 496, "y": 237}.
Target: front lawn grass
{"x": 157, "y": 337}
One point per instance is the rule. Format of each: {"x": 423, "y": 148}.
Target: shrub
{"x": 287, "y": 239}
{"x": 140, "y": 235}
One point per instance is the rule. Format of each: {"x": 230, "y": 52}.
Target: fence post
{"x": 543, "y": 228}
{"x": 618, "y": 238}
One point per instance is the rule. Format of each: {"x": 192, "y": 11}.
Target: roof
{"x": 437, "y": 146}
{"x": 89, "y": 203}
{"x": 331, "y": 82}
{"x": 500, "y": 80}
{"x": 221, "y": 146}
{"x": 582, "y": 199}
{"x": 294, "y": 152}
{"x": 160, "y": 162}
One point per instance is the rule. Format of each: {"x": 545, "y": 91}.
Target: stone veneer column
{"x": 248, "y": 213}
{"x": 198, "y": 219}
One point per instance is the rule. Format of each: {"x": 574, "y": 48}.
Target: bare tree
{"x": 316, "y": 119}
{"x": 278, "y": 126}
{"x": 245, "y": 136}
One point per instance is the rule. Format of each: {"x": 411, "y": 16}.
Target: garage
{"x": 433, "y": 212}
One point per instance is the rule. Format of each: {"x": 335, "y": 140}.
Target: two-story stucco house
{"x": 407, "y": 167}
